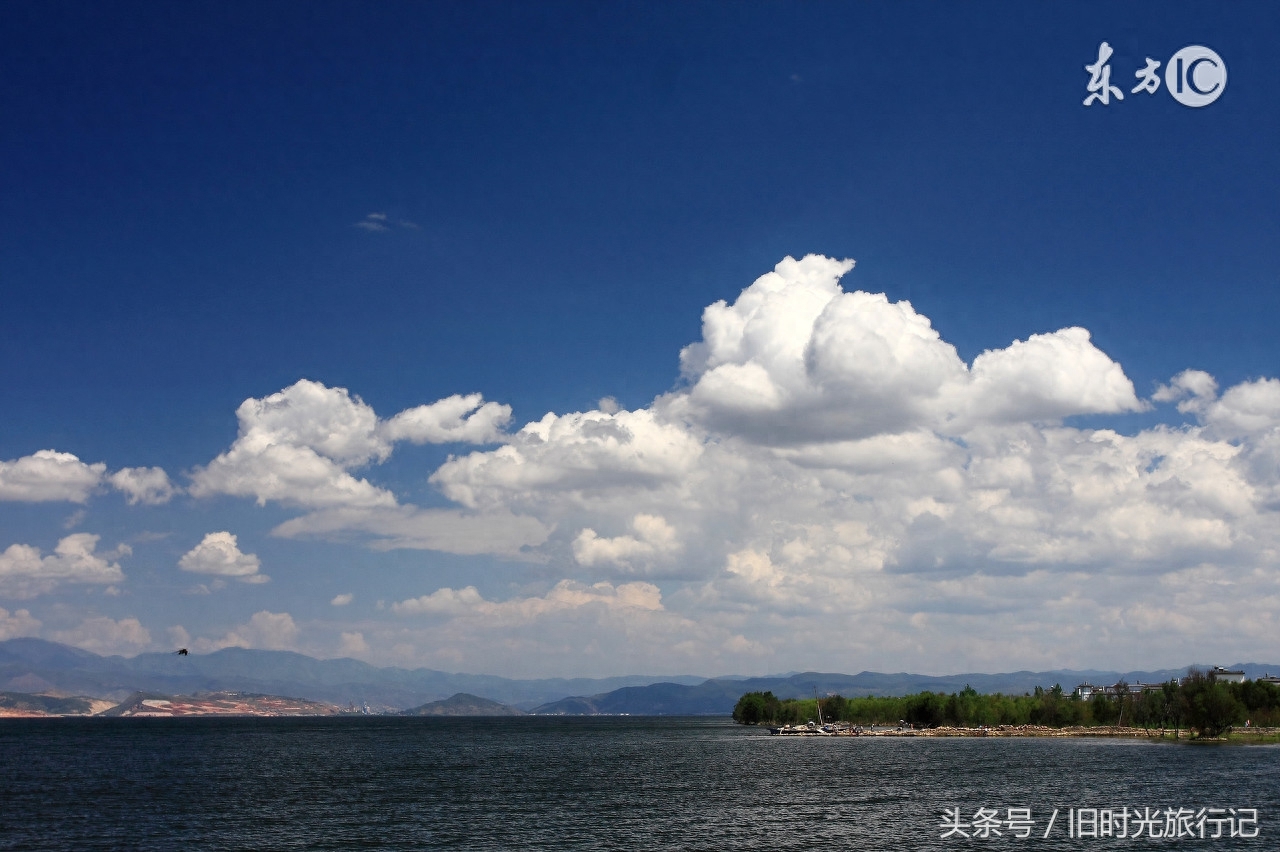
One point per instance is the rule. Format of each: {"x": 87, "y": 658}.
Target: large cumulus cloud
{"x": 829, "y": 460}
{"x": 796, "y": 359}
{"x": 827, "y": 465}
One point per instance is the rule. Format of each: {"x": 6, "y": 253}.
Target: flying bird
{"x": 181, "y": 652}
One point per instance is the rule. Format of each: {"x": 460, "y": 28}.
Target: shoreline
{"x": 1239, "y": 735}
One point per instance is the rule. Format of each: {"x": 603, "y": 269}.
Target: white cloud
{"x": 353, "y": 644}
{"x": 178, "y": 636}
{"x": 1048, "y": 377}
{"x": 147, "y": 485}
{"x": 103, "y": 635}
{"x": 831, "y": 464}
{"x": 24, "y": 573}
{"x": 342, "y": 599}
{"x": 48, "y": 475}
{"x": 601, "y": 628}
{"x": 407, "y": 527}
{"x": 298, "y": 446}
{"x": 466, "y": 419}
{"x": 1249, "y": 408}
{"x": 828, "y": 466}
{"x": 288, "y": 474}
{"x": 373, "y": 222}
{"x": 294, "y": 446}
{"x": 218, "y": 553}
{"x": 625, "y": 450}
{"x": 379, "y": 222}
{"x": 442, "y": 601}
{"x": 18, "y": 623}
{"x": 1192, "y": 389}
{"x": 566, "y": 595}
{"x": 654, "y": 538}
{"x": 272, "y": 631}
{"x": 796, "y": 360}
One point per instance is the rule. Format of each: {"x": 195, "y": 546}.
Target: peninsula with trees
{"x": 1203, "y": 705}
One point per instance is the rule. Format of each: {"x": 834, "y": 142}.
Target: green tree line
{"x": 1199, "y": 702}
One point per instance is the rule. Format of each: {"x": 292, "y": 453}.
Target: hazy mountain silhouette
{"x": 52, "y": 667}
{"x": 718, "y": 695}
{"x": 35, "y": 665}
{"x": 463, "y": 704}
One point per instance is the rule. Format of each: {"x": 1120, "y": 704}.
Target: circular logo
{"x": 1195, "y": 76}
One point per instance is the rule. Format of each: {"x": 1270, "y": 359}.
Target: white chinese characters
{"x": 1100, "y": 78}
{"x": 1149, "y": 79}
{"x": 1195, "y": 76}
{"x": 1103, "y": 823}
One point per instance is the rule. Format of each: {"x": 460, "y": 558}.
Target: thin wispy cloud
{"x": 380, "y": 222}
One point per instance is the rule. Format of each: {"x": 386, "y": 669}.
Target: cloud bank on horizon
{"x": 828, "y": 485}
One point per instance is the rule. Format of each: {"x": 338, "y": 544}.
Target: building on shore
{"x": 1086, "y": 690}
{"x": 1227, "y": 675}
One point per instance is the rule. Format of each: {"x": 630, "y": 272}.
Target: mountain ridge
{"x": 37, "y": 666}
{"x": 51, "y": 666}
{"x": 717, "y": 696}
{"x": 463, "y": 704}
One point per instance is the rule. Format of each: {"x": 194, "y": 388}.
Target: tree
{"x": 1211, "y": 708}
{"x": 750, "y": 709}
{"x": 1124, "y": 702}
{"x": 1055, "y": 709}
{"x": 835, "y": 708}
{"x": 1149, "y": 708}
{"x": 1173, "y": 706}
{"x": 1261, "y": 700}
{"x": 1102, "y": 709}
{"x": 757, "y": 708}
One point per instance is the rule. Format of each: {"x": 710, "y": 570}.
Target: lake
{"x": 604, "y": 783}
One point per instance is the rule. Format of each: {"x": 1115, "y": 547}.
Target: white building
{"x": 1226, "y": 675}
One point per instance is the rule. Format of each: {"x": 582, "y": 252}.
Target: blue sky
{"x": 206, "y": 204}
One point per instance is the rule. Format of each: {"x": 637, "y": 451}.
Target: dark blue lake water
{"x": 598, "y": 783}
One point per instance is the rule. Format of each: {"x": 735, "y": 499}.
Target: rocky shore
{"x": 1244, "y": 734}
{"x": 1026, "y": 731}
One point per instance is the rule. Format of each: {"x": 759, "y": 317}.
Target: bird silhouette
{"x": 181, "y": 652}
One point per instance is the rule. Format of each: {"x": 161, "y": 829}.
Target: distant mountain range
{"x": 34, "y": 666}
{"x": 37, "y": 666}
{"x": 718, "y": 695}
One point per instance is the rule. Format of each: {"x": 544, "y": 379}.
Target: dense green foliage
{"x": 1198, "y": 702}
